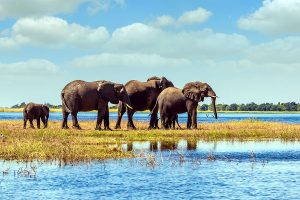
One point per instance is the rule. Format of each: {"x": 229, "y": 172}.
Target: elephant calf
{"x": 36, "y": 111}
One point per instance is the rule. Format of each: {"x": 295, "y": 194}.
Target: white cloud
{"x": 11, "y": 9}
{"x": 164, "y": 20}
{"x": 281, "y": 51}
{"x": 274, "y": 17}
{"x": 197, "y": 16}
{"x": 204, "y": 44}
{"x": 33, "y": 67}
{"x": 31, "y": 8}
{"x": 109, "y": 60}
{"x": 53, "y": 32}
{"x": 104, "y": 5}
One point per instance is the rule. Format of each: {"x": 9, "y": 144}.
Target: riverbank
{"x": 209, "y": 112}
{"x": 71, "y": 146}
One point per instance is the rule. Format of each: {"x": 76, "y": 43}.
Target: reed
{"x": 71, "y": 146}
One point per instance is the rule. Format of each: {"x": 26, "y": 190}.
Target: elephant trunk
{"x": 213, "y": 96}
{"x": 126, "y": 101}
{"x": 213, "y": 101}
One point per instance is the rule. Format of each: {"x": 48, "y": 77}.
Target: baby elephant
{"x": 36, "y": 111}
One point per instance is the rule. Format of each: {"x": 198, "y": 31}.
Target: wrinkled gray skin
{"x": 36, "y": 111}
{"x": 143, "y": 96}
{"x": 86, "y": 96}
{"x": 173, "y": 101}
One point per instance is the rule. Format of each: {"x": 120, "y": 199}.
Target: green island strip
{"x": 71, "y": 146}
{"x": 147, "y": 111}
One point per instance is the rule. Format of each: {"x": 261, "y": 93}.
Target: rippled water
{"x": 222, "y": 170}
{"x": 223, "y": 117}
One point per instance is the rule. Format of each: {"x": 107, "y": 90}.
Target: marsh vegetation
{"x": 70, "y": 146}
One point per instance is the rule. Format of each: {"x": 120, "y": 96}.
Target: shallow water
{"x": 222, "y": 117}
{"x": 182, "y": 170}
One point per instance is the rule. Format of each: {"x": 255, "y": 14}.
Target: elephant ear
{"x": 118, "y": 88}
{"x": 191, "y": 91}
{"x": 163, "y": 83}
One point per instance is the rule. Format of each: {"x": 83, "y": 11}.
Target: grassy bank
{"x": 116, "y": 110}
{"x": 69, "y": 146}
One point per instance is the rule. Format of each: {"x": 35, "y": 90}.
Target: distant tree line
{"x": 22, "y": 105}
{"x": 289, "y": 106}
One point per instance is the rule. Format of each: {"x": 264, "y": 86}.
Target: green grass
{"x": 71, "y": 146}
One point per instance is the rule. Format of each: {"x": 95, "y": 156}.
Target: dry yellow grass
{"x": 71, "y": 145}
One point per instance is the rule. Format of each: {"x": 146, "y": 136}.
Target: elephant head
{"x": 46, "y": 111}
{"x": 114, "y": 93}
{"x": 196, "y": 91}
{"x": 161, "y": 83}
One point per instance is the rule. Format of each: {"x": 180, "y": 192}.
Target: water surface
{"x": 180, "y": 170}
{"x": 223, "y": 117}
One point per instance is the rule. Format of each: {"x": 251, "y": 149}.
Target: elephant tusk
{"x": 214, "y": 97}
{"x": 129, "y": 106}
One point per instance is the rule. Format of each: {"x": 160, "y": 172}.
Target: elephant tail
{"x": 64, "y": 103}
{"x": 155, "y": 108}
{"x": 176, "y": 119}
{"x": 25, "y": 114}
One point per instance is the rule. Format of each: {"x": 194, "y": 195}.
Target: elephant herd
{"x": 156, "y": 94}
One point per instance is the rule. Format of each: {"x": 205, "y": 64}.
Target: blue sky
{"x": 246, "y": 50}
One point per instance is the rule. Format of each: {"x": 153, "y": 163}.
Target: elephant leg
{"x": 188, "y": 124}
{"x": 31, "y": 122}
{"x": 44, "y": 121}
{"x": 65, "y": 119}
{"x": 130, "y": 124}
{"x": 75, "y": 121}
{"x": 163, "y": 120}
{"x": 106, "y": 119}
{"x": 153, "y": 121}
{"x": 194, "y": 119}
{"x": 25, "y": 122}
{"x": 100, "y": 116}
{"x": 121, "y": 111}
{"x": 38, "y": 122}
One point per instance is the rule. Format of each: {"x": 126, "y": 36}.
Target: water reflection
{"x": 220, "y": 146}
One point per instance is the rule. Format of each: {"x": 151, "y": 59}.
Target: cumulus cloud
{"x": 203, "y": 44}
{"x": 274, "y": 17}
{"x": 197, "y": 16}
{"x": 281, "y": 51}
{"x": 31, "y": 8}
{"x": 11, "y": 9}
{"x": 53, "y": 32}
{"x": 33, "y": 67}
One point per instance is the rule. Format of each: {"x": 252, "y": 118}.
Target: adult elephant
{"x": 36, "y": 111}
{"x": 86, "y": 96}
{"x": 143, "y": 96}
{"x": 173, "y": 101}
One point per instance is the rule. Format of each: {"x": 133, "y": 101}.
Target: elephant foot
{"x": 24, "y": 127}
{"x": 107, "y": 129}
{"x": 131, "y": 128}
{"x": 98, "y": 129}
{"x": 117, "y": 127}
{"x": 76, "y": 127}
{"x": 65, "y": 127}
{"x": 32, "y": 127}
